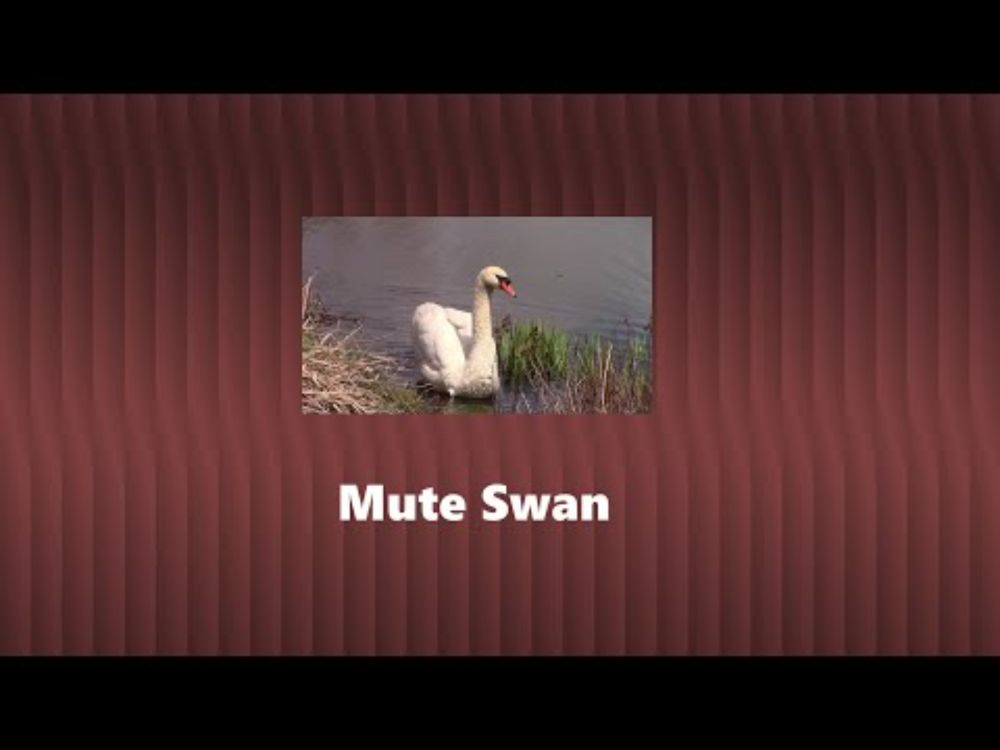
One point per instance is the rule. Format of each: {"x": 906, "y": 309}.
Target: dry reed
{"x": 341, "y": 377}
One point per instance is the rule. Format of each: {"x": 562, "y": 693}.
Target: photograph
{"x": 516, "y": 315}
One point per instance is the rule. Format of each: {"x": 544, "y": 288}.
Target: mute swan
{"x": 456, "y": 352}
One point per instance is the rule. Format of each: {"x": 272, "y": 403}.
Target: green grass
{"x": 576, "y": 374}
{"x": 533, "y": 349}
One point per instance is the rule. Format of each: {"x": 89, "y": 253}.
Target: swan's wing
{"x": 439, "y": 348}
{"x": 461, "y": 319}
{"x": 462, "y": 322}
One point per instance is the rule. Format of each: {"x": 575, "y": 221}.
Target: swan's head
{"x": 494, "y": 277}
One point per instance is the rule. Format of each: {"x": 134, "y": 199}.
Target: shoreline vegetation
{"x": 575, "y": 374}
{"x": 340, "y": 376}
{"x": 548, "y": 370}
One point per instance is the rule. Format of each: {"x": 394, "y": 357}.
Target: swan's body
{"x": 455, "y": 349}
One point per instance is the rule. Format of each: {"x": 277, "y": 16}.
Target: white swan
{"x": 456, "y": 352}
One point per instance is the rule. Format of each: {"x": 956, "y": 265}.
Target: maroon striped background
{"x": 821, "y": 473}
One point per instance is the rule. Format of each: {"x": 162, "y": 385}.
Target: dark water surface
{"x": 585, "y": 275}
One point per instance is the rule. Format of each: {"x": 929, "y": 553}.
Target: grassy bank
{"x": 575, "y": 375}
{"x": 341, "y": 377}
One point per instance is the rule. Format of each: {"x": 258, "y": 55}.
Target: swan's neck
{"x": 482, "y": 322}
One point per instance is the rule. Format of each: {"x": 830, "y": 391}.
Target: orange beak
{"x": 508, "y": 287}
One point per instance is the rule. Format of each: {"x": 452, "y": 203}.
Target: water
{"x": 585, "y": 275}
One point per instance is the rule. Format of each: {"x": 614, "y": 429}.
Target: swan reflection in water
{"x": 504, "y": 402}
{"x": 466, "y": 406}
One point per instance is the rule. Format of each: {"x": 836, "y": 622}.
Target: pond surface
{"x": 585, "y": 275}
